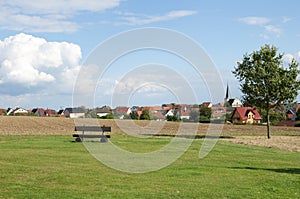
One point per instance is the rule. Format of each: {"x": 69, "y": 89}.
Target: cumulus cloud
{"x": 47, "y": 16}
{"x": 141, "y": 19}
{"x": 28, "y": 62}
{"x": 287, "y": 58}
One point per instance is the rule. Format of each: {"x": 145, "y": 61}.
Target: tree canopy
{"x": 265, "y": 81}
{"x": 145, "y": 115}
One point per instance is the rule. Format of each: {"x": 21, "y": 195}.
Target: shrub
{"x": 204, "y": 119}
{"x": 145, "y": 115}
{"x": 108, "y": 116}
{"x": 172, "y": 118}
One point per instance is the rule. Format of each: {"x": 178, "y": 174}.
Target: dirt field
{"x": 289, "y": 143}
{"x": 287, "y": 138}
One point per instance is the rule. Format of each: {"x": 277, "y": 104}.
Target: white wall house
{"x": 236, "y": 102}
{"x": 74, "y": 113}
{"x": 17, "y": 111}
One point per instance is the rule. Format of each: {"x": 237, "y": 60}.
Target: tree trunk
{"x": 268, "y": 124}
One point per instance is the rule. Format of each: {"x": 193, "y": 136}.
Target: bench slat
{"x": 90, "y": 136}
{"x": 93, "y": 128}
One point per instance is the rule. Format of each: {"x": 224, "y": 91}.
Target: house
{"x": 246, "y": 115}
{"x": 157, "y": 115}
{"x": 20, "y": 111}
{"x": 232, "y": 102}
{"x": 156, "y": 112}
{"x": 74, "y": 113}
{"x": 60, "y": 113}
{"x": 39, "y": 112}
{"x": 103, "y": 111}
{"x": 167, "y": 107}
{"x": 50, "y": 113}
{"x": 218, "y": 112}
{"x": 121, "y": 111}
{"x": 207, "y": 104}
{"x": 169, "y": 113}
{"x": 291, "y": 111}
{"x": 184, "y": 111}
{"x": 235, "y": 102}
{"x": 17, "y": 111}
{"x": 43, "y": 113}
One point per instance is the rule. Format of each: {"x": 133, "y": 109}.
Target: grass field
{"x": 52, "y": 166}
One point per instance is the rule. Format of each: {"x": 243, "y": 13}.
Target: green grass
{"x": 55, "y": 167}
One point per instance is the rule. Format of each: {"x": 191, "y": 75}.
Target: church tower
{"x": 227, "y": 95}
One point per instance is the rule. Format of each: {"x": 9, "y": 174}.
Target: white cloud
{"x": 264, "y": 23}
{"x": 31, "y": 62}
{"x": 285, "y": 19}
{"x": 287, "y": 58}
{"x": 273, "y": 29}
{"x": 141, "y": 19}
{"x": 59, "y": 6}
{"x": 254, "y": 20}
{"x": 47, "y": 16}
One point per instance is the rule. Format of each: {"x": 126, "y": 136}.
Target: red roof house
{"x": 207, "y": 104}
{"x": 246, "y": 115}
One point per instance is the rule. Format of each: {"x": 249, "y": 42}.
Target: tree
{"x": 145, "y": 115}
{"x": 275, "y": 116}
{"x": 134, "y": 115}
{"x": 265, "y": 81}
{"x": 172, "y": 118}
{"x": 205, "y": 114}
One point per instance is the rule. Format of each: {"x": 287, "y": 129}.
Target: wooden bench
{"x": 103, "y": 129}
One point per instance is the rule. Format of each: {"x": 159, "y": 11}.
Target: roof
{"x": 207, "y": 104}
{"x": 74, "y": 110}
{"x": 243, "y": 112}
{"x": 61, "y": 111}
{"x": 50, "y": 111}
{"x": 121, "y": 109}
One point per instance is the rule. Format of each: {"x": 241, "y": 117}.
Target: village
{"x": 229, "y": 111}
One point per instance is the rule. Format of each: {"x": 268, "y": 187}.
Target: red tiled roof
{"x": 121, "y": 109}
{"x": 243, "y": 112}
{"x": 206, "y": 104}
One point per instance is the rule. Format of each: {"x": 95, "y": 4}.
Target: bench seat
{"x": 101, "y": 129}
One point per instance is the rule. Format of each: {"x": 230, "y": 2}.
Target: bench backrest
{"x": 93, "y": 128}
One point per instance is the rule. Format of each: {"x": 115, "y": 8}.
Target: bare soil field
{"x": 287, "y": 138}
{"x": 289, "y": 143}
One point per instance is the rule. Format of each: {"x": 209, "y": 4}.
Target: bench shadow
{"x": 278, "y": 170}
{"x": 190, "y": 136}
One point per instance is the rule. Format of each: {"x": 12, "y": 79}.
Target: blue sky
{"x": 44, "y": 43}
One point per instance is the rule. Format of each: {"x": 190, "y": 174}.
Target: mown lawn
{"x": 48, "y": 166}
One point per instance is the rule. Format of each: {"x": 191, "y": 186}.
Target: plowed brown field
{"x": 287, "y": 138}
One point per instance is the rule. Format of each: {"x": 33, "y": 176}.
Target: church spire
{"x": 227, "y": 95}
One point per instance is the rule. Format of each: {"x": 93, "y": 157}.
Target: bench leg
{"x": 103, "y": 139}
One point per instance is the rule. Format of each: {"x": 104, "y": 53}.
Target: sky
{"x": 45, "y": 44}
